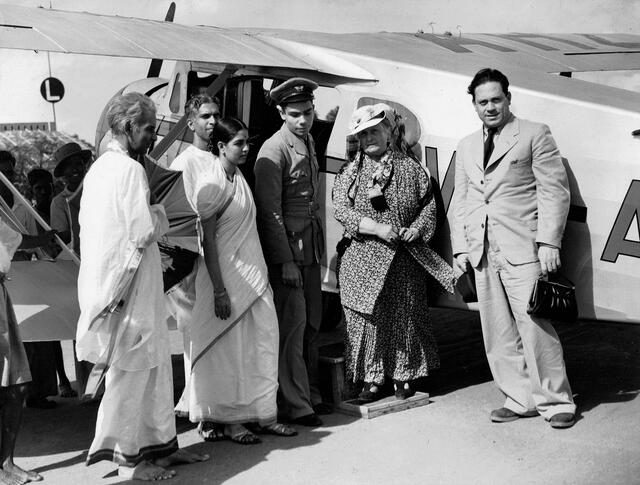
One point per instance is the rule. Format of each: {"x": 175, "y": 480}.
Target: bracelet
{"x": 216, "y": 294}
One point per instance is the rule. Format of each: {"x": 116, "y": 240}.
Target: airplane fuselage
{"x": 592, "y": 125}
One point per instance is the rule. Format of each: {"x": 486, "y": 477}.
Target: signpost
{"x": 52, "y": 90}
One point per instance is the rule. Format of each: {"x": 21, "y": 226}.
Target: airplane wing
{"x": 547, "y": 53}
{"x": 30, "y": 28}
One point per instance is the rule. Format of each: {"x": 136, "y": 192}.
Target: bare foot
{"x": 7, "y": 478}
{"x": 145, "y": 471}
{"x": 22, "y": 474}
{"x": 180, "y": 457}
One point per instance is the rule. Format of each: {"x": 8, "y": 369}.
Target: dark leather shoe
{"x": 323, "y": 408}
{"x": 504, "y": 415}
{"x": 312, "y": 420}
{"x": 562, "y": 420}
{"x": 403, "y": 389}
{"x": 371, "y": 392}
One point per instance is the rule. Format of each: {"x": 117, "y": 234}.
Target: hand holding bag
{"x": 555, "y": 299}
{"x": 466, "y": 286}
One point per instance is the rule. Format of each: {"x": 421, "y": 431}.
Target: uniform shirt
{"x": 286, "y": 194}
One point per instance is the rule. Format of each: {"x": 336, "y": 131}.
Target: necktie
{"x": 488, "y": 145}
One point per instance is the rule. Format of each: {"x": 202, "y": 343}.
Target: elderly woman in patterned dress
{"x": 384, "y": 200}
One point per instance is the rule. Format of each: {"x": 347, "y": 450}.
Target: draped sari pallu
{"x": 239, "y": 252}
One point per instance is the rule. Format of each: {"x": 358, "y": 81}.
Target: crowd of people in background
{"x": 252, "y": 312}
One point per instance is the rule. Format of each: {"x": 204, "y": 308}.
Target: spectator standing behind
{"x": 286, "y": 193}
{"x": 14, "y": 367}
{"x": 42, "y": 355}
{"x": 510, "y": 207}
{"x": 233, "y": 333}
{"x": 384, "y": 200}
{"x": 203, "y": 112}
{"x": 71, "y": 164}
{"x": 136, "y": 424}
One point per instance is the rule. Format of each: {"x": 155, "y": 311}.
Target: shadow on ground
{"x": 603, "y": 363}
{"x": 68, "y": 429}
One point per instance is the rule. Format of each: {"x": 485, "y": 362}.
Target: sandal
{"x": 370, "y": 392}
{"x": 403, "y": 390}
{"x": 277, "y": 429}
{"x": 67, "y": 391}
{"x": 211, "y": 431}
{"x": 243, "y": 437}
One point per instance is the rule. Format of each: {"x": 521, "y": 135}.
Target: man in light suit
{"x": 510, "y": 207}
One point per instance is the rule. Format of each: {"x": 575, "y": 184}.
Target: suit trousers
{"x": 524, "y": 352}
{"x": 299, "y": 315}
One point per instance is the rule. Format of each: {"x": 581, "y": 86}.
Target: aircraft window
{"x": 411, "y": 123}
{"x": 268, "y": 84}
{"x": 198, "y": 82}
{"x": 327, "y": 103}
{"x": 174, "y": 101}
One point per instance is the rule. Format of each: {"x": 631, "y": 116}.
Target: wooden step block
{"x": 386, "y": 405}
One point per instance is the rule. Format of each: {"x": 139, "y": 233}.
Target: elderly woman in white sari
{"x": 233, "y": 332}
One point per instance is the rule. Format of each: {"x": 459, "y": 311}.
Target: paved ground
{"x": 450, "y": 441}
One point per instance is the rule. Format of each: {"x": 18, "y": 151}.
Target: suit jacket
{"x": 286, "y": 196}
{"x": 522, "y": 194}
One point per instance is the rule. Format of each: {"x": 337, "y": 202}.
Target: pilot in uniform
{"x": 286, "y": 196}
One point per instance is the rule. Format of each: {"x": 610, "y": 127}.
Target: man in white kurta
{"x": 119, "y": 229}
{"x": 202, "y": 113}
{"x": 116, "y": 222}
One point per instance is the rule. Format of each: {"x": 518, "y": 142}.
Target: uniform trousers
{"x": 524, "y": 352}
{"x": 299, "y": 315}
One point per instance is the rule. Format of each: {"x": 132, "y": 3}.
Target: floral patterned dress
{"x": 383, "y": 287}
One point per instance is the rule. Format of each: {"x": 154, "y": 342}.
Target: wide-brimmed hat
{"x": 368, "y": 116}
{"x": 64, "y": 153}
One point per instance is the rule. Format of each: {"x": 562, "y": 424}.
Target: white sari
{"x": 234, "y": 362}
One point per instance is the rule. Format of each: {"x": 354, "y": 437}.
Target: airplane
{"x": 424, "y": 77}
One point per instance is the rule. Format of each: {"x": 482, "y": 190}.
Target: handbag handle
{"x": 560, "y": 278}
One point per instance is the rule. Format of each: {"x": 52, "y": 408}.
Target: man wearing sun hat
{"x": 288, "y": 216}
{"x": 71, "y": 163}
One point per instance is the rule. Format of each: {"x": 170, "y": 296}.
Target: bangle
{"x": 219, "y": 293}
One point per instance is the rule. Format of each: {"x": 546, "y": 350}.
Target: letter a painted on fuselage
{"x": 618, "y": 243}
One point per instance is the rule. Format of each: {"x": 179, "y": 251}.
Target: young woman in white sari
{"x": 233, "y": 332}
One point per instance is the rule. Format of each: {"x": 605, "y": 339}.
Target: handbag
{"x": 554, "y": 298}
{"x": 182, "y": 263}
